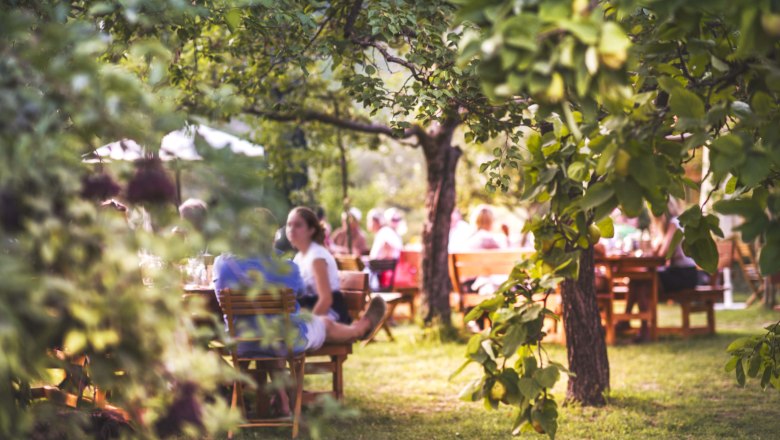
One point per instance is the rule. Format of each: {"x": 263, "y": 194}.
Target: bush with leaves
{"x": 517, "y": 370}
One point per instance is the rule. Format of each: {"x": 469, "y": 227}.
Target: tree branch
{"x": 392, "y": 58}
{"x": 348, "y": 124}
{"x": 354, "y": 11}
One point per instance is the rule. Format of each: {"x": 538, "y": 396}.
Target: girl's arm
{"x": 324, "y": 294}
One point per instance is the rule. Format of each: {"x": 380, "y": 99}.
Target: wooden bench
{"x": 701, "y": 299}
{"x": 464, "y": 266}
{"x": 468, "y": 265}
{"x": 330, "y": 358}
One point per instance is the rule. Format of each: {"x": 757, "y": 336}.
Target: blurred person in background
{"x": 484, "y": 238}
{"x": 387, "y": 243}
{"x": 339, "y": 239}
{"x": 460, "y": 231}
{"x": 395, "y": 219}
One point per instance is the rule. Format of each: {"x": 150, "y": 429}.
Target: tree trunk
{"x": 586, "y": 348}
{"x": 441, "y": 159}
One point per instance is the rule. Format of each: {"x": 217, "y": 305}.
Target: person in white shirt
{"x": 319, "y": 271}
{"x": 460, "y": 231}
{"x": 387, "y": 243}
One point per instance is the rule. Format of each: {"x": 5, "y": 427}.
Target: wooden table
{"x": 641, "y": 267}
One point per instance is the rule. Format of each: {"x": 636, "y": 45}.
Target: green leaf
{"x": 233, "y": 19}
{"x": 529, "y": 365}
{"x": 474, "y": 314}
{"x": 459, "y": 370}
{"x": 513, "y": 338}
{"x": 686, "y": 104}
{"x": 546, "y": 415}
{"x": 762, "y": 103}
{"x": 548, "y": 376}
{"x": 562, "y": 368}
{"x": 606, "y": 227}
{"x": 528, "y": 387}
{"x": 613, "y": 45}
{"x": 754, "y": 364}
{"x": 769, "y": 258}
{"x": 586, "y": 32}
{"x": 629, "y": 195}
{"x": 676, "y": 239}
{"x": 75, "y": 342}
{"x": 472, "y": 392}
{"x": 691, "y": 217}
{"x": 740, "y": 373}
{"x": 577, "y": 171}
{"x": 766, "y": 377}
{"x": 755, "y": 169}
{"x": 703, "y": 250}
{"x": 731, "y": 365}
{"x": 731, "y": 185}
{"x": 718, "y": 64}
{"x": 668, "y": 84}
{"x": 596, "y": 195}
{"x": 474, "y": 349}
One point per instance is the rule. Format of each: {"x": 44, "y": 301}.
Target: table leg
{"x": 654, "y": 308}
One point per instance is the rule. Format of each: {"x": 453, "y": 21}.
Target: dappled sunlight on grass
{"x": 668, "y": 389}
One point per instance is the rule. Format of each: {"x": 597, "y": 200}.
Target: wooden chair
{"x": 278, "y": 306}
{"x": 349, "y": 262}
{"x": 747, "y": 264}
{"x": 386, "y": 292}
{"x": 701, "y": 299}
{"x": 354, "y": 287}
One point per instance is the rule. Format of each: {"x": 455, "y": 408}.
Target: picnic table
{"x": 635, "y": 267}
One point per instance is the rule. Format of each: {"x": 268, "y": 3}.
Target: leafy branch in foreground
{"x": 757, "y": 356}
{"x": 517, "y": 370}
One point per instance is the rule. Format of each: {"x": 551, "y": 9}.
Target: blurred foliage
{"x": 757, "y": 357}
{"x": 76, "y": 276}
{"x": 623, "y": 94}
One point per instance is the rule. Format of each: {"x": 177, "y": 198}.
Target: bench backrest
{"x": 378, "y": 267}
{"x": 348, "y": 262}
{"x": 354, "y": 287}
{"x": 240, "y": 303}
{"x": 468, "y": 265}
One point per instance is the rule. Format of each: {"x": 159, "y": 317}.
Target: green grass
{"x": 670, "y": 389}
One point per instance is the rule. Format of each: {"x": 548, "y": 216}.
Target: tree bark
{"x": 441, "y": 159}
{"x": 585, "y": 344}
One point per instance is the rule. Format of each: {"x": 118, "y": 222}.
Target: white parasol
{"x": 179, "y": 144}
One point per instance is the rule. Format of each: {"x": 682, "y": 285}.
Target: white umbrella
{"x": 178, "y": 144}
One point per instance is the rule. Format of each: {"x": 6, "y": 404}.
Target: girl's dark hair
{"x": 312, "y": 222}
